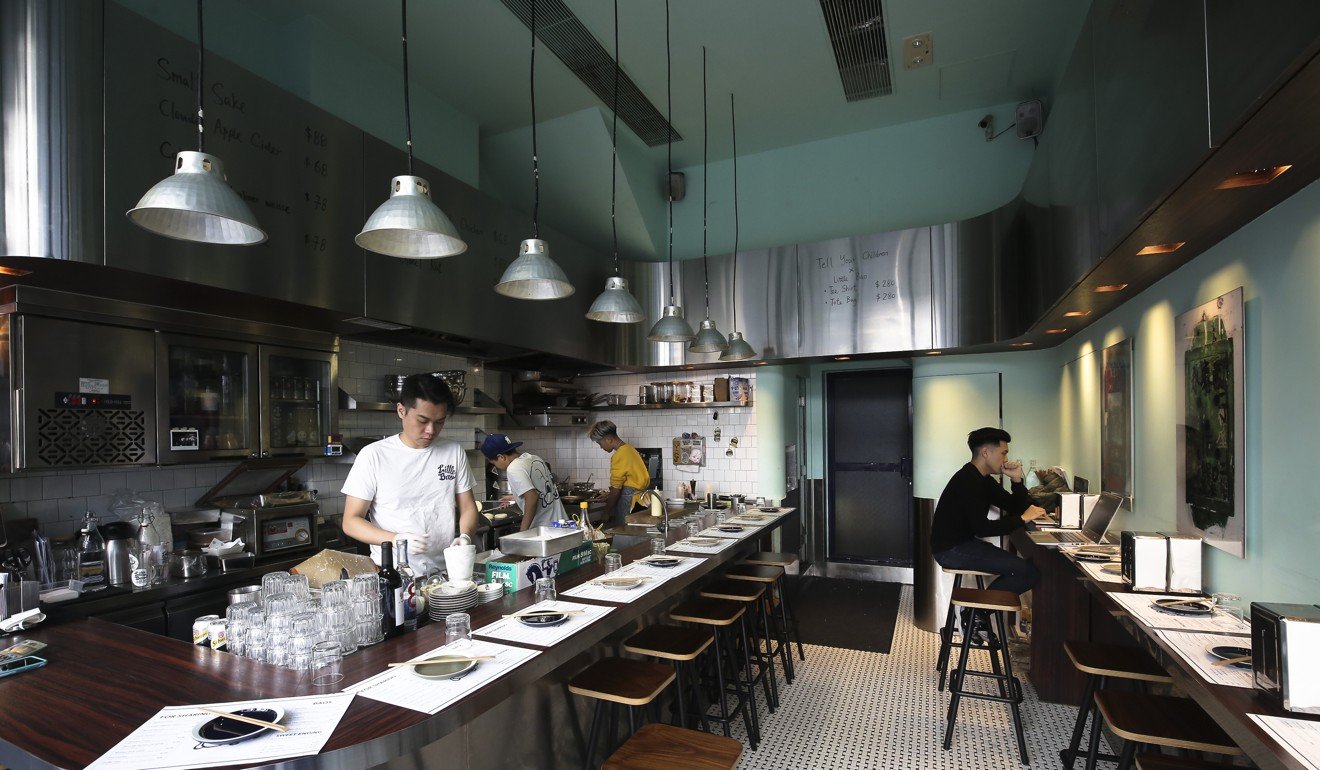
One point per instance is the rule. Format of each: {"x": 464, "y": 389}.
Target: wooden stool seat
{"x": 1163, "y": 720}
{"x": 709, "y": 612}
{"x": 771, "y": 559}
{"x": 732, "y": 590}
{"x": 972, "y": 572}
{"x": 986, "y": 599}
{"x": 662, "y": 747}
{"x": 1166, "y": 762}
{"x": 1115, "y": 661}
{"x": 758, "y": 573}
{"x": 669, "y": 642}
{"x": 620, "y": 680}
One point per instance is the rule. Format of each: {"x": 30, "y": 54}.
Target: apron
{"x": 624, "y": 506}
{"x": 434, "y": 521}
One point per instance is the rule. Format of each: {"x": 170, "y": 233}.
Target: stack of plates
{"x": 489, "y": 592}
{"x": 447, "y": 598}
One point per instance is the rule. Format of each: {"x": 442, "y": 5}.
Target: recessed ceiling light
{"x": 1021, "y": 344}
{"x": 1076, "y": 313}
{"x": 760, "y": 363}
{"x": 1161, "y": 248}
{"x": 14, "y": 271}
{"x": 842, "y": 358}
{"x": 934, "y": 352}
{"x": 1253, "y": 178}
{"x": 1055, "y": 331}
{"x": 1111, "y": 287}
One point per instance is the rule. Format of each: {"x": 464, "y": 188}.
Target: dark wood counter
{"x": 104, "y": 680}
{"x": 1068, "y": 601}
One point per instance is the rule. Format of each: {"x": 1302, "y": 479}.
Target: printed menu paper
{"x": 1093, "y": 571}
{"x": 1193, "y": 648}
{"x": 165, "y": 742}
{"x": 1141, "y": 606}
{"x": 1301, "y": 737}
{"x": 656, "y": 576}
{"x": 402, "y": 687}
{"x": 514, "y": 630}
{"x": 684, "y": 545}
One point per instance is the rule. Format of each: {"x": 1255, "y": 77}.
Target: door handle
{"x": 906, "y": 468}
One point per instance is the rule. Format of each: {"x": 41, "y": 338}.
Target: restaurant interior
{"x": 792, "y": 251}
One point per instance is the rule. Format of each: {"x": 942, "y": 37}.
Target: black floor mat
{"x": 853, "y": 614}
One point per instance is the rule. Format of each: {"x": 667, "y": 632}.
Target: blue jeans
{"x": 1015, "y": 574}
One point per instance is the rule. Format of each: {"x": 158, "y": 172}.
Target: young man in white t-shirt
{"x": 530, "y": 481}
{"x": 413, "y": 486}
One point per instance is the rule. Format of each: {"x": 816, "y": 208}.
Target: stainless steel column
{"x": 931, "y": 587}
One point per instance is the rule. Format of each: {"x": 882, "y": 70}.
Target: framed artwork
{"x": 1116, "y": 420}
{"x": 1211, "y": 489}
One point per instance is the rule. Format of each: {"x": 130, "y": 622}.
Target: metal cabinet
{"x": 297, "y": 406}
{"x": 206, "y": 400}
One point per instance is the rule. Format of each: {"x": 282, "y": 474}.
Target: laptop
{"x": 1092, "y": 531}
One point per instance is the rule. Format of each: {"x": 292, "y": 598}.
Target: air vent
{"x": 857, "y": 32}
{"x": 567, "y": 38}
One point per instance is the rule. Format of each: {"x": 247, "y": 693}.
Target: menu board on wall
{"x": 298, "y": 168}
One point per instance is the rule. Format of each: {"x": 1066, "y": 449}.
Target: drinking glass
{"x": 1228, "y": 613}
{"x": 693, "y": 528}
{"x": 335, "y": 592}
{"x": 303, "y": 623}
{"x": 327, "y": 664}
{"x": 272, "y": 583}
{"x": 458, "y": 629}
{"x": 367, "y": 585}
{"x": 720, "y": 517}
{"x": 254, "y": 643}
{"x": 613, "y": 561}
{"x": 368, "y": 632}
{"x": 280, "y": 604}
{"x": 298, "y": 586}
{"x": 658, "y": 545}
{"x": 545, "y": 590}
{"x": 300, "y": 651}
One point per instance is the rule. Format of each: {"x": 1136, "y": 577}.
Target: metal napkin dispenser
{"x": 1184, "y": 569}
{"x": 1145, "y": 560}
{"x": 1285, "y": 654}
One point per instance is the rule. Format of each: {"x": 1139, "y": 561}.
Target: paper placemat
{"x": 748, "y": 531}
{"x": 1139, "y": 605}
{"x": 1301, "y": 737}
{"x": 165, "y": 741}
{"x": 657, "y": 575}
{"x": 1193, "y": 647}
{"x": 683, "y": 545}
{"x": 1093, "y": 571}
{"x": 513, "y": 630}
{"x": 401, "y": 687}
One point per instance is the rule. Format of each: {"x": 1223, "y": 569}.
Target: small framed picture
{"x": 184, "y": 440}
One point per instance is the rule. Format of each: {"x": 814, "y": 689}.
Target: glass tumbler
{"x": 367, "y": 586}
{"x": 272, "y": 583}
{"x": 720, "y": 517}
{"x": 613, "y": 561}
{"x": 254, "y": 643}
{"x": 280, "y": 604}
{"x": 458, "y": 630}
{"x": 658, "y": 545}
{"x": 327, "y": 664}
{"x": 693, "y": 528}
{"x": 545, "y": 590}
{"x": 298, "y": 586}
{"x": 300, "y": 651}
{"x": 335, "y": 592}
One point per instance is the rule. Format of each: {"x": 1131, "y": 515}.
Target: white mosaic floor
{"x": 851, "y": 710}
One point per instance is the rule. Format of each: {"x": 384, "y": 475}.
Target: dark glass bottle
{"x": 410, "y": 597}
{"x": 391, "y": 593}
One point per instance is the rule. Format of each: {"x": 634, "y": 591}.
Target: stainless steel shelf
{"x": 349, "y": 404}
{"x": 695, "y": 405}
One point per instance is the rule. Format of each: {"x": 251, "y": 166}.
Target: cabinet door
{"x": 298, "y": 401}
{"x": 149, "y": 617}
{"x": 206, "y": 398}
{"x": 180, "y": 613}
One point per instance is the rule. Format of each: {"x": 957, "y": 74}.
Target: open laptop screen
{"x": 1101, "y": 515}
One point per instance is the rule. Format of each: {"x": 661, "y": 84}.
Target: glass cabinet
{"x": 205, "y": 398}
{"x": 297, "y": 389}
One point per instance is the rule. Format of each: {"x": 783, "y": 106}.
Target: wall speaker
{"x": 676, "y": 186}
{"x": 1030, "y": 119}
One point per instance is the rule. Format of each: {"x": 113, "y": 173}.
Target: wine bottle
{"x": 391, "y": 593}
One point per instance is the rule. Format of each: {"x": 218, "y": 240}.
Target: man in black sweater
{"x": 961, "y": 514}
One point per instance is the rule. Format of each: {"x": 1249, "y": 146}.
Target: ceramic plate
{"x": 1192, "y": 608}
{"x": 220, "y": 731}
{"x": 1112, "y": 569}
{"x": 661, "y": 561}
{"x": 770, "y": 510}
{"x": 544, "y": 620}
{"x": 444, "y": 669}
{"x": 620, "y": 583}
{"x": 703, "y": 541}
{"x": 1226, "y": 651}
{"x": 729, "y": 528}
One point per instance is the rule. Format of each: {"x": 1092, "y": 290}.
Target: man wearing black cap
{"x": 530, "y": 481}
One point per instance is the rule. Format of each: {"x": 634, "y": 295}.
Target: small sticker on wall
{"x": 93, "y": 385}
{"x": 183, "y": 439}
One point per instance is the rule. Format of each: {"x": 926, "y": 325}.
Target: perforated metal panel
{"x": 91, "y": 436}
{"x": 857, "y": 33}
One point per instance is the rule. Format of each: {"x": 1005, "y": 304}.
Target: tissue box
{"x": 1074, "y": 508}
{"x": 518, "y": 572}
{"x": 1145, "y": 561}
{"x": 1184, "y": 563}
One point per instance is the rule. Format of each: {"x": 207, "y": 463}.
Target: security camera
{"x": 987, "y": 125}
{"x": 986, "y": 121}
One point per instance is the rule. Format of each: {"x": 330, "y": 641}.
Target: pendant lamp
{"x": 671, "y": 327}
{"x": 708, "y": 339}
{"x": 408, "y": 224}
{"x": 739, "y": 349}
{"x": 615, "y": 305}
{"x": 196, "y": 202}
{"x": 534, "y": 275}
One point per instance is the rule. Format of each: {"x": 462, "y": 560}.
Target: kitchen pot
{"x": 244, "y": 594}
{"x": 456, "y": 379}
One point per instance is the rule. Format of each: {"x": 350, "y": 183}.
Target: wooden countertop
{"x": 104, "y": 680}
{"x": 1228, "y": 706}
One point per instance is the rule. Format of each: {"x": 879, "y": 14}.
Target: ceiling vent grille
{"x": 567, "y": 38}
{"x": 857, "y": 32}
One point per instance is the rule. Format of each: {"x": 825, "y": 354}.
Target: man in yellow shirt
{"x": 628, "y": 474}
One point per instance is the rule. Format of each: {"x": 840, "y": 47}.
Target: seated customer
{"x": 961, "y": 516}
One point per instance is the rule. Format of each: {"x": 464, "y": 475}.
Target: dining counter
{"x": 103, "y": 680}
{"x": 1069, "y": 604}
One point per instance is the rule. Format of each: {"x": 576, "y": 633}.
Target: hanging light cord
{"x": 614, "y": 140}
{"x": 733, "y": 127}
{"x": 669, "y": 143}
{"x": 536, "y": 169}
{"x": 201, "y": 82}
{"x": 705, "y": 143}
{"x": 407, "y": 108}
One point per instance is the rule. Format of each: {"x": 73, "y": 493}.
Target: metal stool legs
{"x": 1010, "y": 690}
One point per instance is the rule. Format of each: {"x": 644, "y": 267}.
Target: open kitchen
{"x": 584, "y": 383}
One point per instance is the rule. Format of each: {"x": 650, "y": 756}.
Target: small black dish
{"x": 661, "y": 561}
{"x": 543, "y": 621}
{"x": 769, "y": 510}
{"x": 729, "y": 528}
{"x": 1180, "y": 607}
{"x": 222, "y": 731}
{"x": 1226, "y": 651}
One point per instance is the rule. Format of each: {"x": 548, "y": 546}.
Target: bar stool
{"x": 1101, "y": 662}
{"x": 680, "y": 645}
{"x": 720, "y": 615}
{"x": 1160, "y": 720}
{"x": 618, "y": 681}
{"x": 1164, "y": 762}
{"x": 946, "y": 632}
{"x": 776, "y": 639}
{"x": 995, "y": 604}
{"x": 752, "y": 594}
{"x": 772, "y": 559}
{"x": 664, "y": 746}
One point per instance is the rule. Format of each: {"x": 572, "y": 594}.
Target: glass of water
{"x": 613, "y": 561}
{"x": 545, "y": 590}
{"x": 458, "y": 629}
{"x": 658, "y": 545}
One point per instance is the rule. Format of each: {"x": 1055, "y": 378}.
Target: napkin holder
{"x": 1145, "y": 561}
{"x": 1184, "y": 564}
{"x": 1285, "y": 655}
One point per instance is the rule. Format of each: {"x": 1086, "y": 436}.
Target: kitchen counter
{"x": 108, "y": 679}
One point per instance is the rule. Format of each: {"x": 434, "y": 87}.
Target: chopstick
{"x": 1183, "y": 601}
{"x": 476, "y": 659}
{"x": 535, "y": 613}
{"x": 249, "y": 720}
{"x": 1231, "y": 661}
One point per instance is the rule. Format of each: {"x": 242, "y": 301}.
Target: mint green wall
{"x": 1276, "y": 259}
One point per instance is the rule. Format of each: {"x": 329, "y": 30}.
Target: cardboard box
{"x": 519, "y": 572}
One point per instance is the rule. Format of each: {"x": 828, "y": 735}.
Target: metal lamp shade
{"x": 616, "y": 305}
{"x": 708, "y": 339}
{"x": 738, "y": 349}
{"x": 409, "y": 225}
{"x": 195, "y": 203}
{"x": 671, "y": 327}
{"x": 534, "y": 275}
